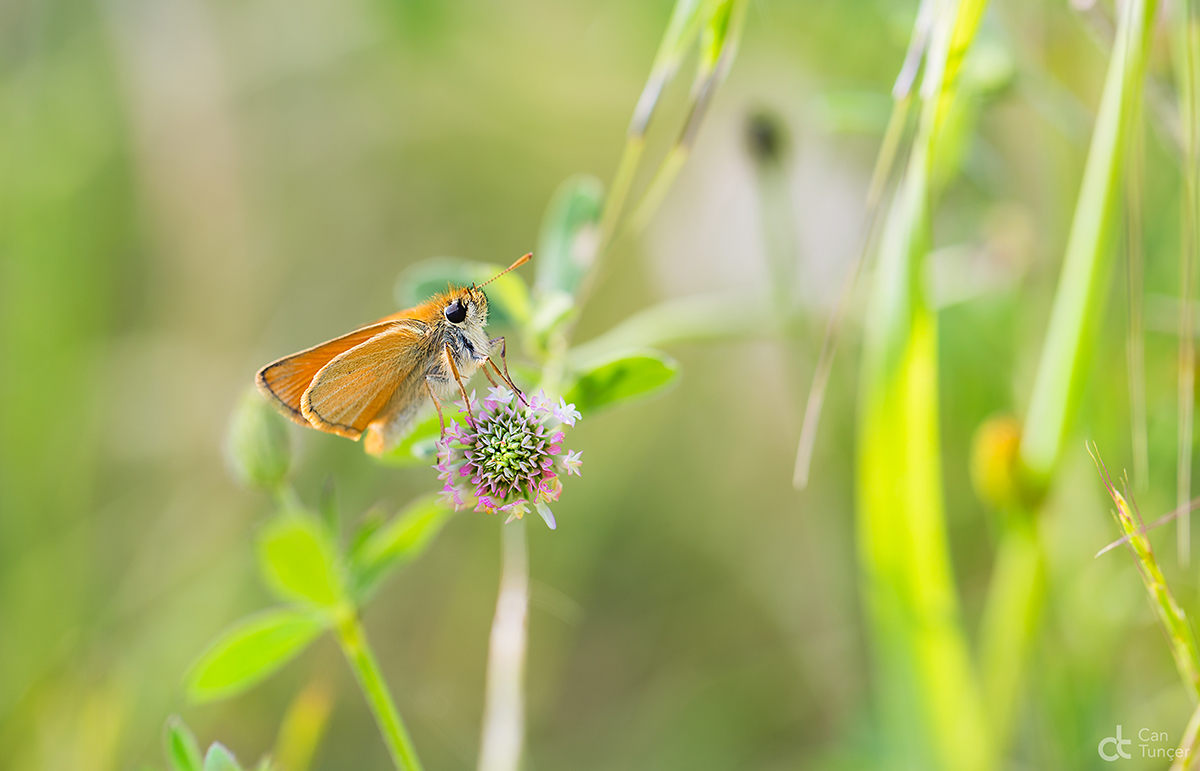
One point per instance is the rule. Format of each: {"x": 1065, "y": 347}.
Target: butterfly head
{"x": 466, "y": 307}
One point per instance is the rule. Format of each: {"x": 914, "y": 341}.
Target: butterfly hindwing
{"x": 353, "y": 387}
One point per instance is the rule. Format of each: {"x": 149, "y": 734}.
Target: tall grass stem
{"x": 885, "y": 161}
{"x": 720, "y": 37}
{"x": 1187, "y": 59}
{"x": 1185, "y": 758}
{"x": 1135, "y": 281}
{"x": 931, "y": 703}
{"x": 1086, "y": 267}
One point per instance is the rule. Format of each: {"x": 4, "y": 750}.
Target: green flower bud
{"x": 257, "y": 445}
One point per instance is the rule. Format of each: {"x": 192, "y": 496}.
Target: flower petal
{"x": 572, "y": 463}
{"x": 566, "y": 413}
{"x": 500, "y": 394}
{"x": 547, "y": 515}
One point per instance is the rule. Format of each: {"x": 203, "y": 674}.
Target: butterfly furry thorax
{"x": 376, "y": 380}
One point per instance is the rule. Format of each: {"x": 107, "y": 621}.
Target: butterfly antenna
{"x": 520, "y": 261}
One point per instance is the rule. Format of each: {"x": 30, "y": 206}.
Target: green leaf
{"x": 621, "y": 378}
{"x": 257, "y": 444}
{"x": 554, "y": 308}
{"x": 299, "y": 560}
{"x": 183, "y": 753}
{"x": 220, "y": 759}
{"x": 250, "y": 651}
{"x": 569, "y": 236}
{"x": 508, "y": 295}
{"x": 401, "y": 540}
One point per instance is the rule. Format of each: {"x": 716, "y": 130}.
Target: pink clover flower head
{"x": 509, "y": 457}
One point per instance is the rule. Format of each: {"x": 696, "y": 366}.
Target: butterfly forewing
{"x": 283, "y": 382}
{"x": 349, "y": 392}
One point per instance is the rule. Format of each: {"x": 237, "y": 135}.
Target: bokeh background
{"x": 191, "y": 188}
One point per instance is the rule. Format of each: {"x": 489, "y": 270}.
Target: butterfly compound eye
{"x": 455, "y": 312}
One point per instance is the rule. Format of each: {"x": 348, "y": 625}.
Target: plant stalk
{"x": 504, "y": 706}
{"x": 353, "y": 639}
{"x": 1010, "y": 619}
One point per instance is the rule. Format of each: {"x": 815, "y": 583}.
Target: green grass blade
{"x": 915, "y": 53}
{"x": 1014, "y": 598}
{"x": 683, "y": 27}
{"x": 1186, "y": 56}
{"x": 1086, "y": 268}
{"x": 1186, "y": 756}
{"x": 681, "y": 32}
{"x": 720, "y": 36}
{"x": 932, "y": 707}
{"x": 1135, "y": 355}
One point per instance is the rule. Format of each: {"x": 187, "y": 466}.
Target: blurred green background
{"x": 192, "y": 188}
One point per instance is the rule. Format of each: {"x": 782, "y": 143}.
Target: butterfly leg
{"x": 488, "y": 374}
{"x": 462, "y": 388}
{"x": 504, "y": 361}
{"x": 437, "y": 404}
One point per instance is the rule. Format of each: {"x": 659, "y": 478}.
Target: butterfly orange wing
{"x": 350, "y": 391}
{"x": 284, "y": 382}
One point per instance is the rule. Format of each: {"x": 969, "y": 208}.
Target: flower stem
{"x": 353, "y": 639}
{"x": 504, "y": 710}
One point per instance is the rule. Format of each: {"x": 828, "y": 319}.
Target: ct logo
{"x": 1117, "y": 742}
